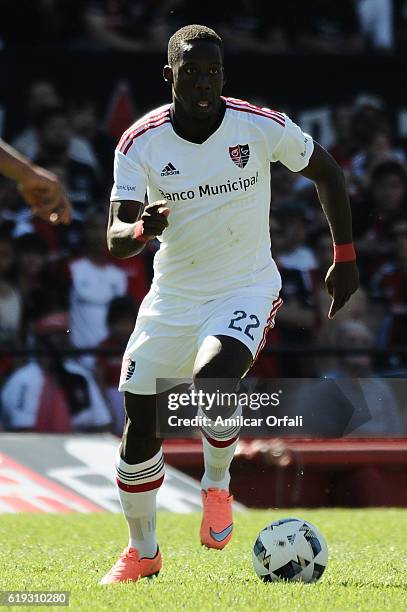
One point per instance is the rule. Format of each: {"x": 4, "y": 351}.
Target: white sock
{"x": 138, "y": 487}
{"x": 217, "y": 463}
{"x": 219, "y": 445}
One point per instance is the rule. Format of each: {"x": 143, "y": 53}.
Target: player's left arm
{"x": 342, "y": 279}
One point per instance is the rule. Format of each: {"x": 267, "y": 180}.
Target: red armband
{"x": 344, "y": 252}
{"x": 139, "y": 233}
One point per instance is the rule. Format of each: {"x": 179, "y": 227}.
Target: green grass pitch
{"x": 367, "y": 567}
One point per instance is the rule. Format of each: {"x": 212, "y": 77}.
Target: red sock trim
{"x": 140, "y": 488}
{"x": 219, "y": 443}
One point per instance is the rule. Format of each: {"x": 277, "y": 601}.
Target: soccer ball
{"x": 290, "y": 549}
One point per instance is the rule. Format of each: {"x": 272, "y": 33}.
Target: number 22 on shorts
{"x": 244, "y": 323}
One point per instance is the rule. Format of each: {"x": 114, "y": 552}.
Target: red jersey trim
{"x": 255, "y": 110}
{"x": 124, "y": 149}
{"x": 139, "y": 124}
{"x": 261, "y": 109}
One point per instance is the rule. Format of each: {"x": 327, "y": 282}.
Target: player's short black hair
{"x": 187, "y": 34}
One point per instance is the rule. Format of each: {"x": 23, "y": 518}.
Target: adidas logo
{"x": 169, "y": 170}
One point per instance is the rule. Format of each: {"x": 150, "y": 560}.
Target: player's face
{"x": 198, "y": 79}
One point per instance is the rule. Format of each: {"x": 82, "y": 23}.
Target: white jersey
{"x": 93, "y": 287}
{"x": 217, "y": 241}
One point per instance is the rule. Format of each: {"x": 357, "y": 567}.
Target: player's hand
{"x": 154, "y": 218}
{"x": 342, "y": 280}
{"x": 44, "y": 193}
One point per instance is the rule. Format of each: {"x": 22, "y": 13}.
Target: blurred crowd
{"x": 60, "y": 288}
{"x": 321, "y": 26}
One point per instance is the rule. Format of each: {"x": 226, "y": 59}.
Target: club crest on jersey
{"x": 240, "y": 155}
{"x": 128, "y": 367}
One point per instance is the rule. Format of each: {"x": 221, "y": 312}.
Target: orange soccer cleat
{"x": 217, "y": 521}
{"x": 129, "y": 567}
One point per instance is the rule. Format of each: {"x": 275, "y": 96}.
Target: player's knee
{"x": 140, "y": 413}
{"x": 221, "y": 357}
{"x": 215, "y": 368}
{"x": 137, "y": 450}
{"x": 138, "y": 443}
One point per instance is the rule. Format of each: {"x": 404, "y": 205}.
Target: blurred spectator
{"x": 385, "y": 418}
{"x": 86, "y": 126}
{"x": 95, "y": 281}
{"x": 256, "y": 25}
{"x": 376, "y": 18}
{"x": 32, "y": 400}
{"x": 344, "y": 146}
{"x": 272, "y": 25}
{"x": 80, "y": 180}
{"x": 400, "y": 24}
{"x": 297, "y": 318}
{"x": 324, "y": 26}
{"x": 53, "y": 394}
{"x": 44, "y": 22}
{"x": 368, "y": 117}
{"x": 41, "y": 96}
{"x": 294, "y": 254}
{"x": 389, "y": 285}
{"x": 282, "y": 183}
{"x": 14, "y": 212}
{"x": 352, "y": 335}
{"x": 386, "y": 200}
{"x": 10, "y": 298}
{"x": 38, "y": 288}
{"x": 354, "y": 401}
{"x": 121, "y": 318}
{"x": 377, "y": 150}
{"x": 124, "y": 25}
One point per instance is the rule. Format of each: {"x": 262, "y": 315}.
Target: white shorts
{"x": 169, "y": 332}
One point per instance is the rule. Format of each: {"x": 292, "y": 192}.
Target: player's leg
{"x": 139, "y": 475}
{"x": 220, "y": 364}
{"x": 140, "y": 472}
{"x": 156, "y": 350}
{"x": 234, "y": 333}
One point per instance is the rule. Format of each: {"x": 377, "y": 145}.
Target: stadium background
{"x": 74, "y": 75}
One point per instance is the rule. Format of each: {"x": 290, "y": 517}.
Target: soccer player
{"x": 40, "y": 188}
{"x": 204, "y": 161}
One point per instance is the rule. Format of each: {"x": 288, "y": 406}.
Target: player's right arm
{"x": 131, "y": 224}
{"x": 130, "y": 227}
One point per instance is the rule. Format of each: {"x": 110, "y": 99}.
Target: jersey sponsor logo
{"x": 169, "y": 170}
{"x": 241, "y": 184}
{"x": 240, "y": 155}
{"x": 126, "y": 187}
